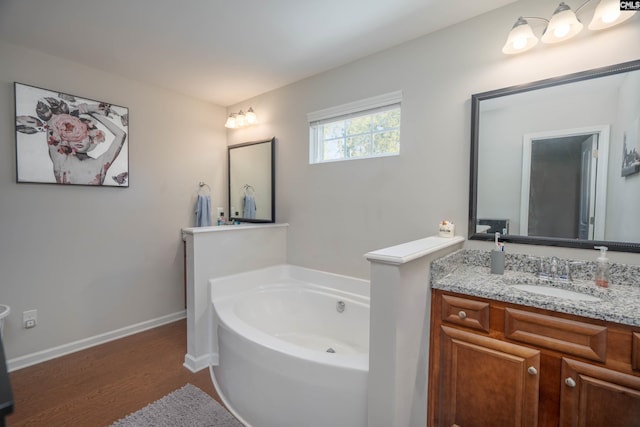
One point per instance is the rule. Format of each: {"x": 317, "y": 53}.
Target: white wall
{"x": 339, "y": 211}
{"x": 93, "y": 260}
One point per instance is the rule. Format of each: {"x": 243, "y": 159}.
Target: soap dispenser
{"x": 602, "y": 268}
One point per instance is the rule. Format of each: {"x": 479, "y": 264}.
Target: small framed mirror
{"x": 252, "y": 181}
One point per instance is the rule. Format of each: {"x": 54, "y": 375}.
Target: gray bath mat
{"x": 188, "y": 406}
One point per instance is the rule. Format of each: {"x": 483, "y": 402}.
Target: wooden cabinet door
{"x": 592, "y": 396}
{"x": 486, "y": 382}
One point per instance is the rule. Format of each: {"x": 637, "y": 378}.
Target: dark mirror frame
{"x": 271, "y": 141}
{"x": 473, "y": 182}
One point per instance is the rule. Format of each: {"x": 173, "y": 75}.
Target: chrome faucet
{"x": 554, "y": 269}
{"x": 544, "y": 269}
{"x": 565, "y": 272}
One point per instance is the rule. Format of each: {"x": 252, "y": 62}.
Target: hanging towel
{"x": 203, "y": 211}
{"x": 249, "y": 210}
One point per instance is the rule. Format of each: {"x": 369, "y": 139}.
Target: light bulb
{"x": 519, "y": 43}
{"x": 561, "y": 30}
{"x": 610, "y": 15}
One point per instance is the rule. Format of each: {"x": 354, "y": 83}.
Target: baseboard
{"x": 195, "y": 364}
{"x": 72, "y": 347}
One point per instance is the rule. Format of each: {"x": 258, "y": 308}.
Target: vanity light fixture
{"x": 563, "y": 25}
{"x": 240, "y": 119}
{"x": 608, "y": 14}
{"x": 251, "y": 116}
{"x": 231, "y": 122}
{"x": 521, "y": 37}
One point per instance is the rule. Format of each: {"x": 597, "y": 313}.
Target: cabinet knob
{"x": 532, "y": 370}
{"x": 462, "y": 314}
{"x": 570, "y": 382}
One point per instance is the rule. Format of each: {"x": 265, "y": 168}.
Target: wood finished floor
{"x": 100, "y": 385}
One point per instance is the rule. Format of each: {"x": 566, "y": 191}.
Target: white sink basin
{"x": 556, "y": 292}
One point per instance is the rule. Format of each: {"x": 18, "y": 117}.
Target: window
{"x": 362, "y": 129}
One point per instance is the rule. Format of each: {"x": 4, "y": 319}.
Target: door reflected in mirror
{"x": 252, "y": 181}
{"x": 548, "y": 161}
{"x": 560, "y": 170}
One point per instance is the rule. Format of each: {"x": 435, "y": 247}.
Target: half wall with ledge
{"x": 213, "y": 252}
{"x": 399, "y": 330}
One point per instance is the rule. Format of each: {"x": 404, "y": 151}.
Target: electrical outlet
{"x": 30, "y": 319}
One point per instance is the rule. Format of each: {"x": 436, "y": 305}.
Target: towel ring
{"x": 247, "y": 188}
{"x": 203, "y": 184}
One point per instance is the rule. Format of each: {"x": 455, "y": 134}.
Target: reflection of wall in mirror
{"x": 501, "y": 138}
{"x": 623, "y": 194}
{"x": 251, "y": 165}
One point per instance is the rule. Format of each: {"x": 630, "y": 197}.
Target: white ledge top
{"x": 219, "y": 228}
{"x": 405, "y": 252}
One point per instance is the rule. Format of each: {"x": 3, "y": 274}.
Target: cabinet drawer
{"x": 465, "y": 312}
{"x": 566, "y": 336}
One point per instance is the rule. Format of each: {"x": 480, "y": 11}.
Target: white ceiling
{"x": 224, "y": 51}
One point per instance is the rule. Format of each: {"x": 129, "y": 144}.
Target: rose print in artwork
{"x": 68, "y": 140}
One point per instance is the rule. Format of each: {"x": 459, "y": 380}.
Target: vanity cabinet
{"x": 500, "y": 364}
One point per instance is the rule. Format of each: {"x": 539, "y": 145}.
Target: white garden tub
{"x": 292, "y": 347}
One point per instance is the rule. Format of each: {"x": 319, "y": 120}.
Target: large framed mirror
{"x": 252, "y": 189}
{"x": 557, "y": 162}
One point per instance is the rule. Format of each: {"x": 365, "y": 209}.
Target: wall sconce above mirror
{"x": 564, "y": 24}
{"x": 241, "y": 119}
{"x": 557, "y": 162}
{"x": 252, "y": 181}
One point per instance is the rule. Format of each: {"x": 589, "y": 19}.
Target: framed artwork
{"x": 631, "y": 150}
{"x": 65, "y": 139}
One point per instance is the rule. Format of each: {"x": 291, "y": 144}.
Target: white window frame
{"x": 359, "y": 108}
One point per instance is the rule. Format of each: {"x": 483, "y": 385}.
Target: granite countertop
{"x": 467, "y": 272}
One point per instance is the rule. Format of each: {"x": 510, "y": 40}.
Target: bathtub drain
{"x": 340, "y": 306}
{"x": 330, "y": 350}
